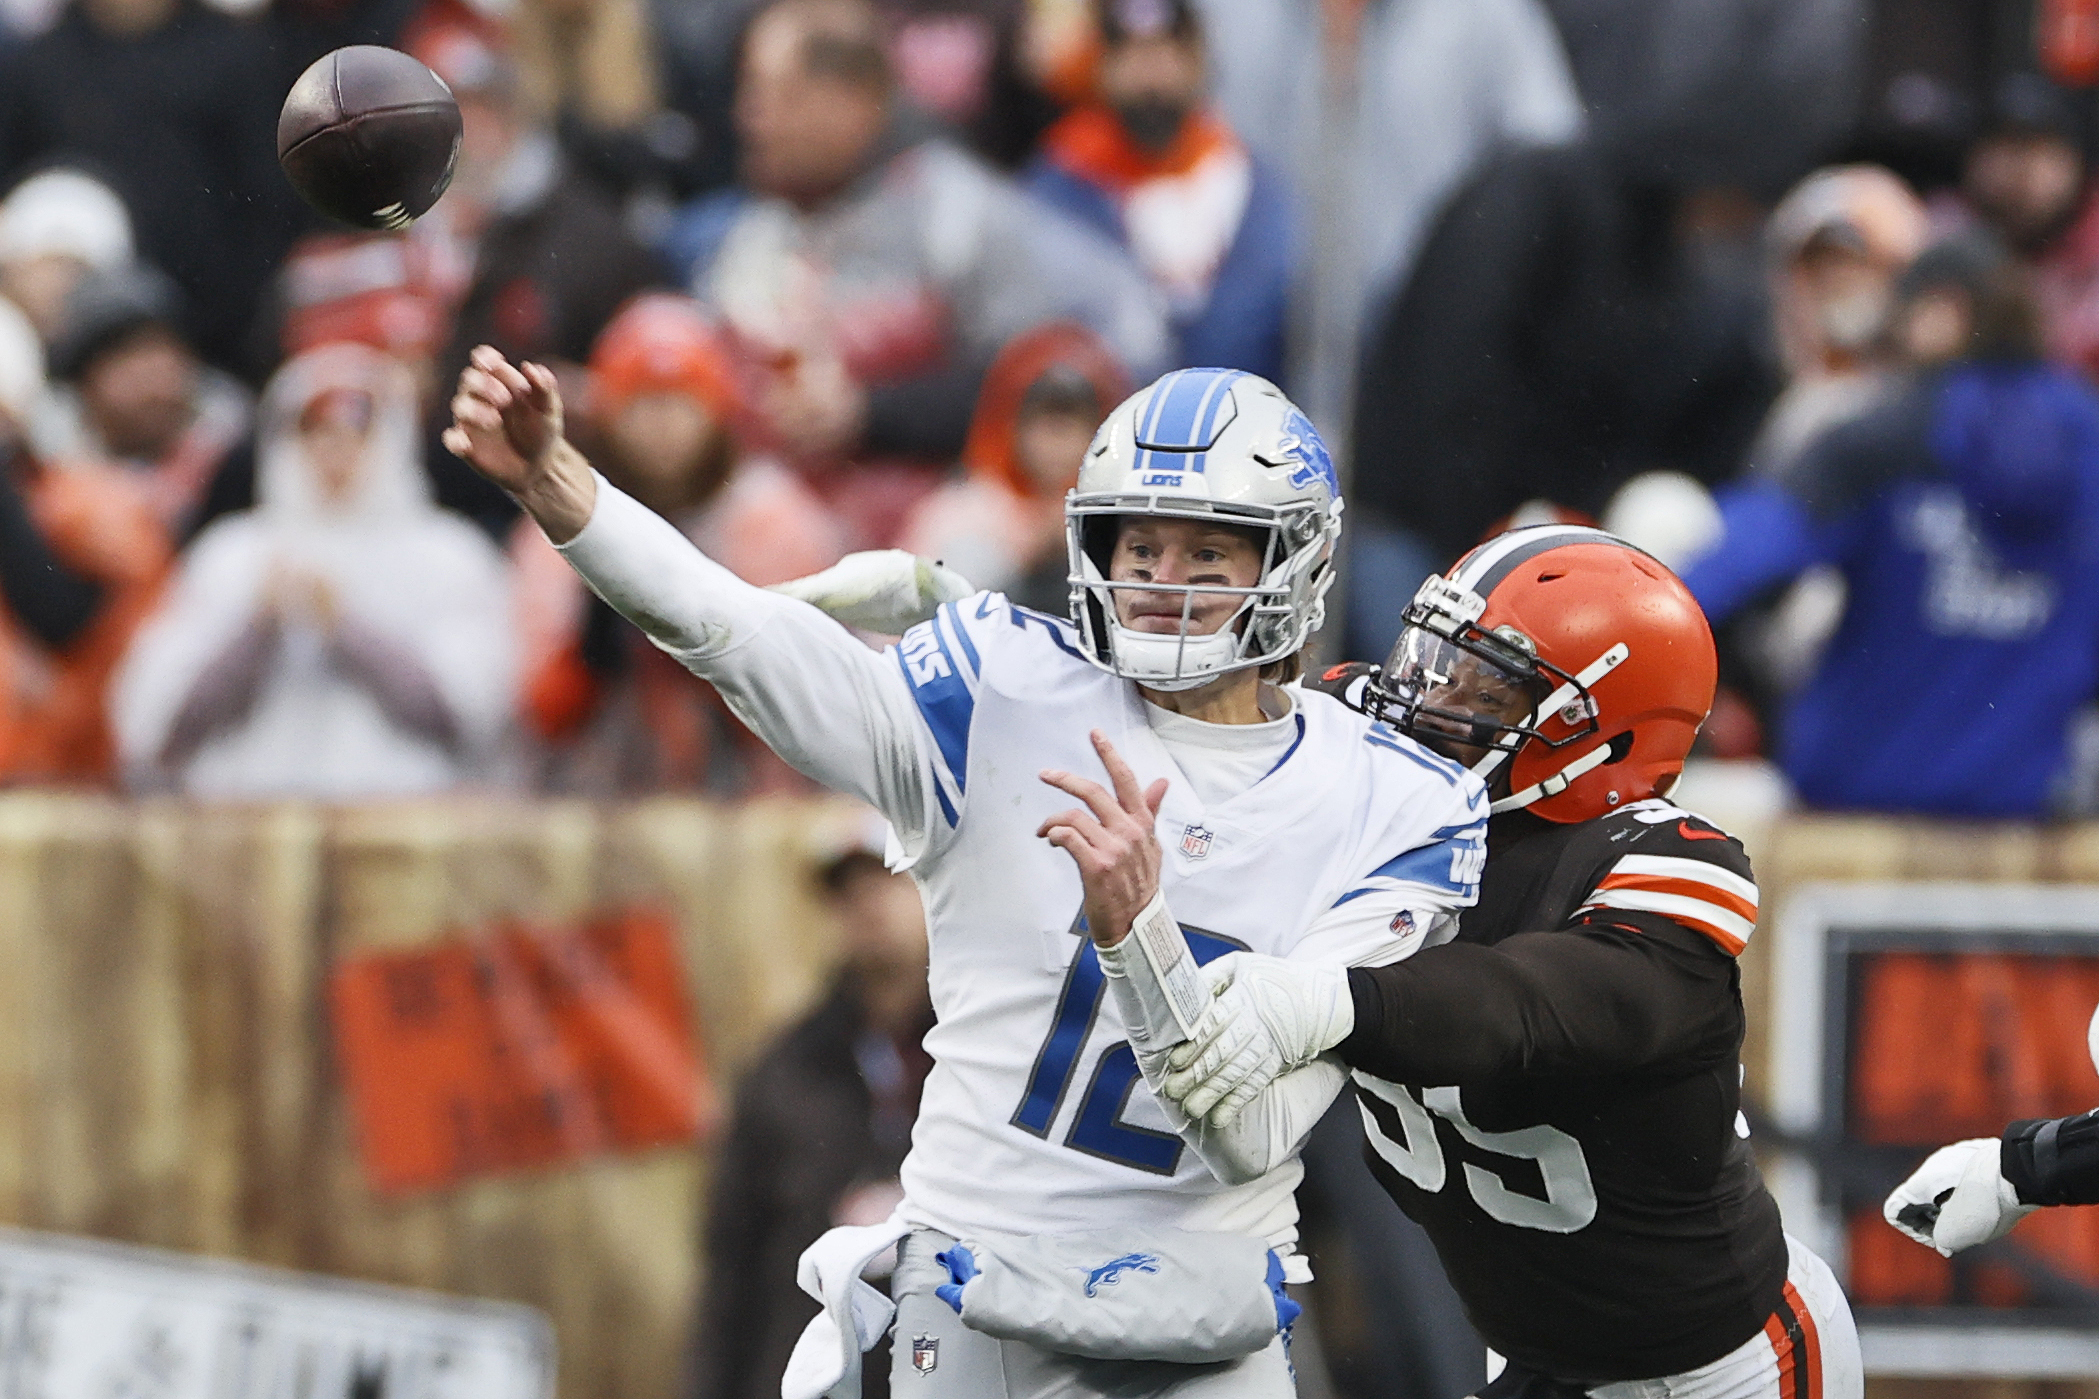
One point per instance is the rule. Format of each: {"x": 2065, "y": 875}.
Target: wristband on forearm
{"x": 1159, "y": 974}
{"x": 2053, "y": 1161}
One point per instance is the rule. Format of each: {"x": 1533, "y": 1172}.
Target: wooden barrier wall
{"x": 165, "y": 1075}
{"x": 164, "y": 1066}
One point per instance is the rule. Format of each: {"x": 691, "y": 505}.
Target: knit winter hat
{"x": 65, "y": 211}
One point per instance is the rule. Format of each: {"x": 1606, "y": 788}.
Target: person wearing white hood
{"x": 55, "y": 227}
{"x": 345, "y": 638}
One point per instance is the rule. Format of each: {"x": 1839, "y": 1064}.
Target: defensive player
{"x": 1554, "y": 1095}
{"x": 1201, "y": 538}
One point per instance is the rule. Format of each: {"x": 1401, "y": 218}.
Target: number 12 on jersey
{"x": 1097, "y": 1128}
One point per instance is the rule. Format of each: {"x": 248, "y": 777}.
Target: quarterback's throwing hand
{"x": 1957, "y": 1199}
{"x": 1267, "y": 1017}
{"x": 505, "y": 418}
{"x": 1112, "y": 841}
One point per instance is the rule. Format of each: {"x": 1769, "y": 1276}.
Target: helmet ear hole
{"x": 1621, "y": 749}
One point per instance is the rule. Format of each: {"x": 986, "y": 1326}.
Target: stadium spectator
{"x": 589, "y": 71}
{"x": 134, "y": 394}
{"x": 875, "y": 267}
{"x": 1757, "y": 92}
{"x": 820, "y": 1128}
{"x": 1963, "y": 512}
{"x": 551, "y": 256}
{"x": 1153, "y": 166}
{"x": 2025, "y": 181}
{"x": 392, "y": 291}
{"x": 1836, "y": 244}
{"x": 960, "y": 61}
{"x": 161, "y": 97}
{"x": 697, "y": 42}
{"x": 614, "y": 713}
{"x": 1377, "y": 110}
{"x": 344, "y": 638}
{"x": 81, "y": 563}
{"x": 55, "y": 227}
{"x": 1001, "y": 523}
{"x": 1570, "y": 325}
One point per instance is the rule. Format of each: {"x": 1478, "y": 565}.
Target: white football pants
{"x": 1808, "y": 1349}
{"x": 934, "y": 1356}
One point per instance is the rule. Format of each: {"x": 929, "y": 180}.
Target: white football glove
{"x": 1957, "y": 1199}
{"x": 880, "y": 590}
{"x": 1266, "y": 1017}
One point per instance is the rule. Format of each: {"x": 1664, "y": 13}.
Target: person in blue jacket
{"x": 1150, "y": 163}
{"x": 1963, "y": 513}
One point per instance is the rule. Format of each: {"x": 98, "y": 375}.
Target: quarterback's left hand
{"x": 1111, "y": 839}
{"x": 1267, "y": 1016}
{"x": 1957, "y": 1199}
{"x": 880, "y": 590}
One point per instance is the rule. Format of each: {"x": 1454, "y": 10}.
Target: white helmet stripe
{"x": 1491, "y": 562}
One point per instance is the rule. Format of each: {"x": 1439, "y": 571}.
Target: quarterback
{"x": 1554, "y": 1094}
{"x": 1063, "y": 1231}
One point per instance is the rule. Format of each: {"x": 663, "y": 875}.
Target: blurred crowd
{"x": 1800, "y": 295}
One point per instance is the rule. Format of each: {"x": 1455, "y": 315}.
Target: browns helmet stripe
{"x": 1482, "y": 570}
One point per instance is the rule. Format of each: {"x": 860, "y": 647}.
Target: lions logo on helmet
{"x": 1225, "y": 447}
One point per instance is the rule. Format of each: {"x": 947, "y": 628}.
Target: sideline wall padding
{"x": 165, "y": 1073}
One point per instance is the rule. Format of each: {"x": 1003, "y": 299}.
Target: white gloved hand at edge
{"x": 1957, "y": 1199}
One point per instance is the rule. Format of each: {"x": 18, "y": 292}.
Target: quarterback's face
{"x": 1181, "y": 553}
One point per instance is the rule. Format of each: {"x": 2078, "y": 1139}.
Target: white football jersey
{"x": 1035, "y": 1118}
{"x": 1351, "y": 848}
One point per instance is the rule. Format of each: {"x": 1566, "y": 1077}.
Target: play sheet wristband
{"x": 1163, "y": 972}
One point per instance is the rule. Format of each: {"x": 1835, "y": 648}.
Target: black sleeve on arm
{"x": 55, "y": 603}
{"x": 2053, "y": 1161}
{"x": 1598, "y": 998}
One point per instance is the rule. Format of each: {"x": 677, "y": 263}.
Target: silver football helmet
{"x": 1225, "y": 447}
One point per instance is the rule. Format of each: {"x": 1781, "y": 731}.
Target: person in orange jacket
{"x": 82, "y": 561}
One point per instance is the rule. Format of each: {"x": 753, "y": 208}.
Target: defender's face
{"x": 1181, "y": 553}
{"x": 1456, "y": 687}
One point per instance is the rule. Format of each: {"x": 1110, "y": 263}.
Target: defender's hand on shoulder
{"x": 507, "y": 424}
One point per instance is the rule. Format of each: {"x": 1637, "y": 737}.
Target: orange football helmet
{"x": 1567, "y": 654}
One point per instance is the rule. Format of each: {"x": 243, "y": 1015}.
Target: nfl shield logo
{"x": 1403, "y": 923}
{"x": 1195, "y": 841}
{"x": 925, "y": 1353}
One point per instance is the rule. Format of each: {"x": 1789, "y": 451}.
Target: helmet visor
{"x": 1456, "y": 699}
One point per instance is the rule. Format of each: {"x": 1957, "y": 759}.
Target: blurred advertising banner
{"x": 517, "y": 1045}
{"x": 84, "y": 1319}
{"x": 1915, "y": 1015}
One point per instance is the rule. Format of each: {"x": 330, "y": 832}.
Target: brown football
{"x": 369, "y": 136}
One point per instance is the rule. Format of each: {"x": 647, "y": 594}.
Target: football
{"x": 369, "y": 136}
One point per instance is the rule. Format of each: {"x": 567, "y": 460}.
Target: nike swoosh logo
{"x": 1683, "y": 828}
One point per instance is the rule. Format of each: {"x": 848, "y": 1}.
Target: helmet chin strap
{"x": 1588, "y": 762}
{"x": 1555, "y": 784}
